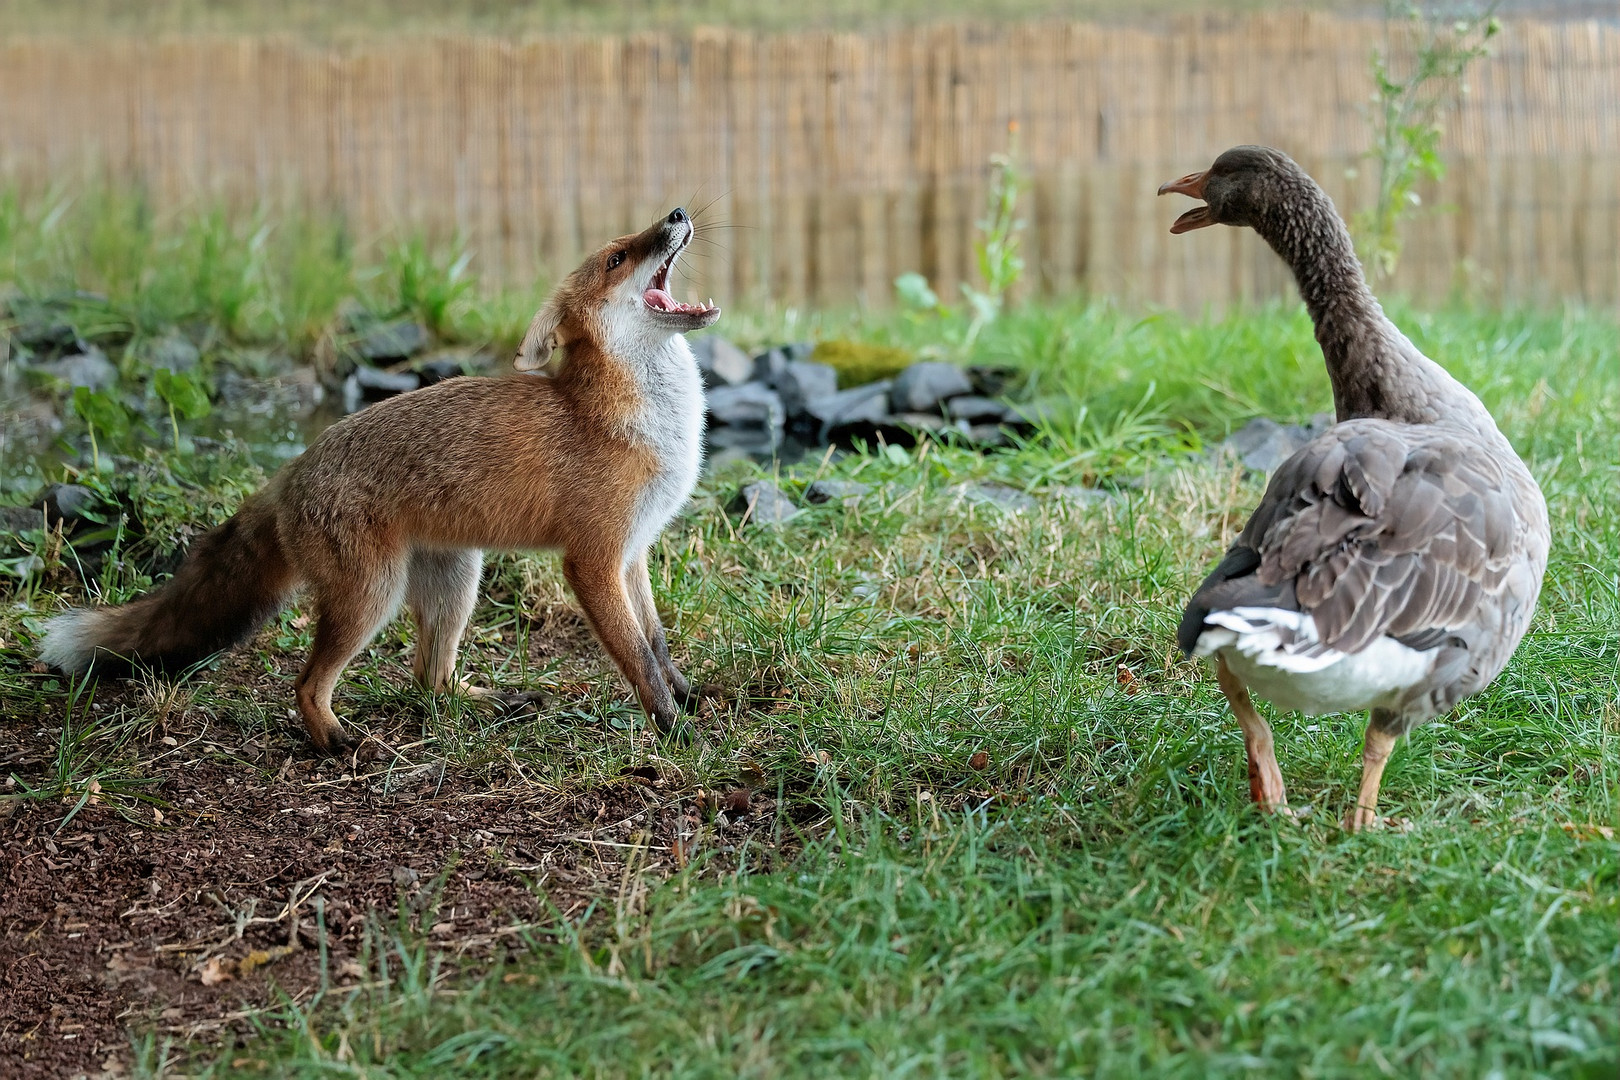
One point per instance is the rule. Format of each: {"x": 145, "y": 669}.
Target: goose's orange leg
{"x": 1375, "y": 750}
{"x": 1265, "y": 778}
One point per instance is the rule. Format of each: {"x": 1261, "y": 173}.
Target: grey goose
{"x": 1394, "y": 562}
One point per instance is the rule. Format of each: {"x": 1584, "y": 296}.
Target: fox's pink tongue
{"x": 658, "y": 298}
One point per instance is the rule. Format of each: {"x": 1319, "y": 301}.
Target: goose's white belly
{"x": 1276, "y": 654}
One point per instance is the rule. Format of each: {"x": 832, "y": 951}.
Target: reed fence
{"x": 843, "y": 159}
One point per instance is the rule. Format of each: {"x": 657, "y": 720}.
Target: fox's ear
{"x": 541, "y": 340}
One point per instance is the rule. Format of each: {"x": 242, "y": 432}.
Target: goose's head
{"x": 1241, "y": 188}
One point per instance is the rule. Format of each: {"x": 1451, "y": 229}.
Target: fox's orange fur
{"x": 396, "y": 503}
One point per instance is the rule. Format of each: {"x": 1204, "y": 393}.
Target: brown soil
{"x": 136, "y": 914}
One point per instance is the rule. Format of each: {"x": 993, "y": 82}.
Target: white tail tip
{"x": 69, "y": 644}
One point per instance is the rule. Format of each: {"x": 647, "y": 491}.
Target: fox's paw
{"x": 333, "y": 742}
{"x": 693, "y": 698}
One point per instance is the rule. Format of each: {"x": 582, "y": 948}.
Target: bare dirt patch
{"x": 184, "y": 909}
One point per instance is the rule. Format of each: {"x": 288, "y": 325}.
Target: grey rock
{"x": 1264, "y": 444}
{"x": 1251, "y": 436}
{"x": 28, "y": 420}
{"x": 991, "y": 380}
{"x": 368, "y": 384}
{"x": 927, "y": 383}
{"x": 721, "y": 362}
{"x": 439, "y": 367}
{"x": 89, "y": 368}
{"x": 749, "y": 405}
{"x": 867, "y": 404}
{"x": 395, "y": 340}
{"x": 16, "y": 519}
{"x": 825, "y": 491}
{"x": 405, "y": 877}
{"x": 804, "y": 381}
{"x": 754, "y": 443}
{"x": 764, "y": 504}
{"x": 69, "y": 503}
{"x": 768, "y": 365}
{"x": 989, "y": 493}
{"x": 351, "y": 315}
{"x": 231, "y": 386}
{"x": 386, "y": 383}
{"x": 30, "y": 567}
{"x": 41, "y": 330}
{"x": 1031, "y": 415}
{"x": 922, "y": 421}
{"x": 988, "y": 436}
{"x": 1080, "y": 495}
{"x": 234, "y": 388}
{"x": 173, "y": 351}
{"x": 976, "y": 410}
{"x": 299, "y": 391}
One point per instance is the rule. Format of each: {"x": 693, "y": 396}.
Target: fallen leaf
{"x": 1127, "y": 679}
{"x": 216, "y": 970}
{"x": 737, "y": 800}
{"x": 980, "y": 760}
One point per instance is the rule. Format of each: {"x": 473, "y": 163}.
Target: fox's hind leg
{"x": 349, "y": 609}
{"x": 441, "y": 590}
{"x": 638, "y": 586}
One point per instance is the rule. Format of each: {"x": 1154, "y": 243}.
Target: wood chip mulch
{"x": 182, "y": 911}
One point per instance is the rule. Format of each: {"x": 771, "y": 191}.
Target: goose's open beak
{"x": 1191, "y": 184}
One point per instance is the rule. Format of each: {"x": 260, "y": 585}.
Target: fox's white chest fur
{"x": 670, "y": 424}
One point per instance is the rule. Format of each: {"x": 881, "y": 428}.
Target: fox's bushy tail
{"x": 233, "y": 580}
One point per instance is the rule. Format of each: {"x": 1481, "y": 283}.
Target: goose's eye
{"x": 615, "y": 259}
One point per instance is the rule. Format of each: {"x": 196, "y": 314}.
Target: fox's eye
{"x": 615, "y": 259}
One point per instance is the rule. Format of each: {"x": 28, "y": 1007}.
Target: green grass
{"x": 254, "y": 279}
{"x": 1098, "y": 898}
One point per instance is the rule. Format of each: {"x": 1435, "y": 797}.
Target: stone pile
{"x": 756, "y": 402}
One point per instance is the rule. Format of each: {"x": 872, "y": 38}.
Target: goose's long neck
{"x": 1375, "y": 370}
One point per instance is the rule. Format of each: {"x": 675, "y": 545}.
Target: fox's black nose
{"x": 677, "y": 215}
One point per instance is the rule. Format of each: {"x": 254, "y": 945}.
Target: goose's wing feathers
{"x": 1374, "y": 528}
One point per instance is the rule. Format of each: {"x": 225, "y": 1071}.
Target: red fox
{"x": 397, "y": 502}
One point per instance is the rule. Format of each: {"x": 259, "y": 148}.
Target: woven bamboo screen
{"x": 844, "y": 159}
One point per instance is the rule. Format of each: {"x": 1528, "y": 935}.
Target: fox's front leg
{"x": 600, "y": 586}
{"x": 638, "y": 586}
{"x": 441, "y": 591}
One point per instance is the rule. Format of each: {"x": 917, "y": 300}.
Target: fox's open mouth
{"x": 657, "y": 295}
